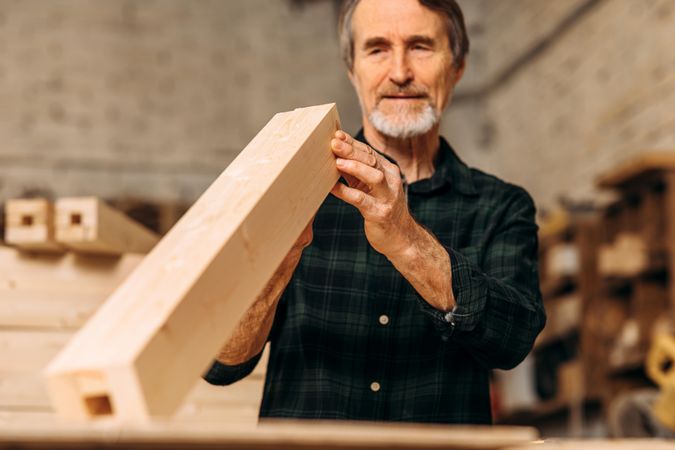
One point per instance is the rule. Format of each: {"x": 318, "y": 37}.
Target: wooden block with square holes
{"x": 30, "y": 225}
{"x": 159, "y": 331}
{"x": 88, "y": 224}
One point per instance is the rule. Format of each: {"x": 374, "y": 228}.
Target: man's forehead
{"x": 395, "y": 19}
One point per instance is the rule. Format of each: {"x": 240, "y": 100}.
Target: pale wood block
{"x": 25, "y": 353}
{"x": 57, "y": 290}
{"x": 628, "y": 256}
{"x": 29, "y": 224}
{"x": 24, "y": 391}
{"x": 88, "y": 224}
{"x": 10, "y": 417}
{"x": 48, "y": 309}
{"x": 30, "y": 350}
{"x": 154, "y": 337}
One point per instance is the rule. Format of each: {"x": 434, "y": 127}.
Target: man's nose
{"x": 401, "y": 73}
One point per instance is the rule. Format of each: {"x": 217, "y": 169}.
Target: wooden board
{"x": 88, "y": 224}
{"x": 25, "y": 353}
{"x": 29, "y": 224}
{"x": 153, "y": 338}
{"x": 632, "y": 170}
{"x": 279, "y": 435}
{"x": 57, "y": 291}
{"x": 26, "y": 389}
{"x": 600, "y": 444}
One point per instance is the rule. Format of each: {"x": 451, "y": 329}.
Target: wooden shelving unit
{"x": 634, "y": 294}
{"x": 568, "y": 249}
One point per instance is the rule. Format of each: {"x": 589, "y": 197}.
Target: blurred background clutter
{"x": 142, "y": 103}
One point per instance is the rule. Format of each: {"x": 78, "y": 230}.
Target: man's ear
{"x": 459, "y": 73}
{"x": 350, "y": 74}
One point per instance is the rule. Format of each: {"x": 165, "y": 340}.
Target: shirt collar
{"x": 450, "y": 170}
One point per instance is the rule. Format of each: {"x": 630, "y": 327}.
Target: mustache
{"x": 407, "y": 91}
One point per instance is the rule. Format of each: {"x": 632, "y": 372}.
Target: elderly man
{"x": 421, "y": 273}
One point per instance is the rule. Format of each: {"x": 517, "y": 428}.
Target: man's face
{"x": 403, "y": 68}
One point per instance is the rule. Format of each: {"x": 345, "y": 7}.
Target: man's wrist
{"x": 404, "y": 247}
{"x": 410, "y": 256}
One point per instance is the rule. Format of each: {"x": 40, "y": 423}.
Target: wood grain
{"x": 147, "y": 345}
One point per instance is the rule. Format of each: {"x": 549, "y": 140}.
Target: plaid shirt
{"x": 353, "y": 340}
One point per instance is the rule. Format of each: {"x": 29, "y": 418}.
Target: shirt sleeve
{"x": 222, "y": 375}
{"x": 499, "y": 310}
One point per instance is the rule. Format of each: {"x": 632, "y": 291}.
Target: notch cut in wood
{"x": 30, "y": 225}
{"x": 160, "y": 330}
{"x": 88, "y": 224}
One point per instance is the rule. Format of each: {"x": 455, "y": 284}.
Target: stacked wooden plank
{"x": 53, "y": 277}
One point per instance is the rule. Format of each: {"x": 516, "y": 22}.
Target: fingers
{"x": 344, "y": 146}
{"x": 373, "y": 178}
{"x": 354, "y": 197}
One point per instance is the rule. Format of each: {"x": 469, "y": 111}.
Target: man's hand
{"x": 376, "y": 189}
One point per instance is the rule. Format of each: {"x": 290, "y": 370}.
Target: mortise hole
{"x": 75, "y": 219}
{"x": 99, "y": 405}
{"x": 26, "y": 221}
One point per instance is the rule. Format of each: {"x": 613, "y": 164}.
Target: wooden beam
{"x": 145, "y": 347}
{"x": 88, "y": 224}
{"x": 25, "y": 353}
{"x": 59, "y": 290}
{"x": 636, "y": 169}
{"x": 30, "y": 225}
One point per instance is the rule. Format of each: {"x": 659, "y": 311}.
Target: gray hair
{"x": 457, "y": 35}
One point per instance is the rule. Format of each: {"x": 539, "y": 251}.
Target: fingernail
{"x": 340, "y": 162}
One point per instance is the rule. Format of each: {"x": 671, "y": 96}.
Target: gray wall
{"x": 154, "y": 98}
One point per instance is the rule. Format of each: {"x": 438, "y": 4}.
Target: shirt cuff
{"x": 221, "y": 374}
{"x": 470, "y": 292}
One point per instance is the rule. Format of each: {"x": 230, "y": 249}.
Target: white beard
{"x": 402, "y": 126}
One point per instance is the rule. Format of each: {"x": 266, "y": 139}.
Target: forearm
{"x": 250, "y": 335}
{"x": 427, "y": 267}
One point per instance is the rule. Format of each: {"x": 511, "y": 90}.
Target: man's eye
{"x": 374, "y": 51}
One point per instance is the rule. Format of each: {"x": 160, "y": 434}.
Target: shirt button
{"x": 374, "y": 386}
{"x": 384, "y": 319}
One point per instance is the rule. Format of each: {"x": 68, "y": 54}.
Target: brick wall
{"x": 601, "y": 91}
{"x": 153, "y": 98}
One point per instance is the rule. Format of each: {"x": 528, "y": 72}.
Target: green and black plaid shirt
{"x": 353, "y": 340}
